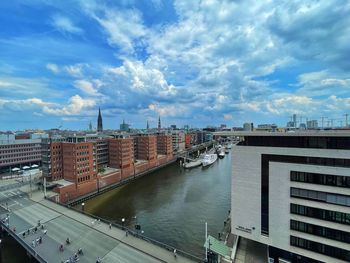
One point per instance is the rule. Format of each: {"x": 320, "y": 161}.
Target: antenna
{"x": 346, "y": 120}
{"x": 322, "y": 120}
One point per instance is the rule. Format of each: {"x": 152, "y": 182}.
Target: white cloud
{"x": 168, "y": 110}
{"x": 88, "y": 87}
{"x": 65, "y": 25}
{"x": 76, "y": 105}
{"x": 53, "y": 68}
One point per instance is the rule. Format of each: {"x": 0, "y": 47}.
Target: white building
{"x": 291, "y": 191}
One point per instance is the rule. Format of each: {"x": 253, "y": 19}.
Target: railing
{"x": 22, "y": 243}
{"x": 138, "y": 235}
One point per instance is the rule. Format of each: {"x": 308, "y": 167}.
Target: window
{"x": 327, "y": 250}
{"x": 321, "y": 231}
{"x": 327, "y": 215}
{"x": 330, "y": 198}
{"x": 322, "y": 179}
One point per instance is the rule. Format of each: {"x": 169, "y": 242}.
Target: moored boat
{"x": 209, "y": 159}
{"x": 192, "y": 164}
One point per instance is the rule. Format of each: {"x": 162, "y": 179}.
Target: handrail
{"x": 138, "y": 235}
{"x": 22, "y": 243}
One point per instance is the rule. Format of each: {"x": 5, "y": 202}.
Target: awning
{"x": 15, "y": 169}
{"x": 218, "y": 247}
{"x": 35, "y": 166}
{"x": 25, "y": 167}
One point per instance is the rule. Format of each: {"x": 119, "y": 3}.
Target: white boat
{"x": 228, "y": 146}
{"x": 192, "y": 164}
{"x": 221, "y": 154}
{"x": 227, "y": 150}
{"x": 209, "y": 159}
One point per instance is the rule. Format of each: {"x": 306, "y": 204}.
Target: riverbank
{"x": 171, "y": 204}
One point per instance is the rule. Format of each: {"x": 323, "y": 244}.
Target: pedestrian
{"x": 14, "y": 229}
{"x": 28, "y": 232}
{"x": 45, "y": 231}
{"x": 33, "y": 243}
{"x": 110, "y": 226}
{"x": 40, "y": 240}
{"x": 98, "y": 260}
{"x": 24, "y": 234}
{"x": 175, "y": 253}
{"x": 126, "y": 233}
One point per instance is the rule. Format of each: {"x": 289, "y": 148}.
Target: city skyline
{"x": 191, "y": 62}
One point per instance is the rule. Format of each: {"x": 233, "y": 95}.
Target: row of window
{"x": 10, "y": 146}
{"x": 327, "y": 215}
{"x": 327, "y": 250}
{"x": 33, "y": 159}
{"x": 320, "y": 231}
{"x": 298, "y": 142}
{"x": 330, "y": 198}
{"x": 322, "y": 179}
{"x": 84, "y": 178}
{"x": 31, "y": 149}
{"x": 19, "y": 155}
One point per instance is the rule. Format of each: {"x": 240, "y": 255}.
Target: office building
{"x": 146, "y": 147}
{"x": 291, "y": 191}
{"x": 248, "y": 126}
{"x": 164, "y": 145}
{"x": 124, "y": 127}
{"x": 19, "y": 151}
{"x": 121, "y": 153}
{"x": 312, "y": 125}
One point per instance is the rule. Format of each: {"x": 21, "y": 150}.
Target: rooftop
{"x": 309, "y": 133}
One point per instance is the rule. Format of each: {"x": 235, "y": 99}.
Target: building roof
{"x": 309, "y": 133}
{"x": 217, "y": 247}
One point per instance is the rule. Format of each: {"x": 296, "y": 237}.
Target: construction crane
{"x": 346, "y": 120}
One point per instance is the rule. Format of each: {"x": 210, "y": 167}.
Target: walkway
{"x": 94, "y": 237}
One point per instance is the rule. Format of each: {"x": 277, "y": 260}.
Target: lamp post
{"x": 123, "y": 221}
{"x": 83, "y": 207}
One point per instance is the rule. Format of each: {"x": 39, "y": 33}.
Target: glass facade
{"x": 322, "y": 179}
{"x": 298, "y": 142}
{"x": 320, "y": 231}
{"x": 329, "y": 198}
{"x": 327, "y": 215}
{"x": 327, "y": 250}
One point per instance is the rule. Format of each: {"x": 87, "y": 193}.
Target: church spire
{"x": 99, "y": 121}
{"x": 159, "y": 124}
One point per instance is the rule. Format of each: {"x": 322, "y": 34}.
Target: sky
{"x": 191, "y": 62}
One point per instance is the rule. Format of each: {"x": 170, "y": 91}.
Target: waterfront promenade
{"x": 96, "y": 238}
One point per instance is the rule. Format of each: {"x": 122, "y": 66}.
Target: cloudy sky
{"x": 191, "y": 62}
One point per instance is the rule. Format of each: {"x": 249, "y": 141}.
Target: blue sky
{"x": 191, "y": 62}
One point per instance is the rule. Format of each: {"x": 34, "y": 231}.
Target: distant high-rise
{"x": 147, "y": 125}
{"x": 159, "y": 124}
{"x": 90, "y": 126}
{"x": 99, "y": 121}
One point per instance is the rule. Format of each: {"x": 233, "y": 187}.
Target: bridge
{"x": 41, "y": 226}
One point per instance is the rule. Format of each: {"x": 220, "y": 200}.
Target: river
{"x": 172, "y": 204}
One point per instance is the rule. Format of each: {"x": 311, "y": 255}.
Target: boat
{"x": 227, "y": 150}
{"x": 209, "y": 159}
{"x": 221, "y": 154}
{"x": 228, "y": 146}
{"x": 192, "y": 164}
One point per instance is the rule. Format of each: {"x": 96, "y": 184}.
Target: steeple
{"x": 159, "y": 125}
{"x": 147, "y": 125}
{"x": 99, "y": 121}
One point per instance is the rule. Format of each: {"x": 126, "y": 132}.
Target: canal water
{"x": 172, "y": 204}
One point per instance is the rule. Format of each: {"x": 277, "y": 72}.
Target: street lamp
{"x": 83, "y": 207}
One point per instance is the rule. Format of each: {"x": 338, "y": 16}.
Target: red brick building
{"x": 146, "y": 147}
{"x": 164, "y": 145}
{"x": 79, "y": 162}
{"x": 121, "y": 153}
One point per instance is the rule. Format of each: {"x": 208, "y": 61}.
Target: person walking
{"x": 175, "y": 253}
{"x": 110, "y": 226}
